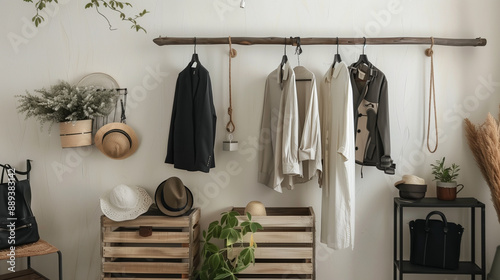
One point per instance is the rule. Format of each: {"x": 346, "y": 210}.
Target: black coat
{"x": 192, "y": 126}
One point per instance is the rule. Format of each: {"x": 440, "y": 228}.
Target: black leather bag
{"x": 435, "y": 243}
{"x": 17, "y": 224}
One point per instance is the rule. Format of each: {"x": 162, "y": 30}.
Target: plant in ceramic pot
{"x": 226, "y": 262}
{"x": 445, "y": 177}
{"x": 70, "y": 106}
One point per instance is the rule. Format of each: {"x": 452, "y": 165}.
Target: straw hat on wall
{"x": 116, "y": 140}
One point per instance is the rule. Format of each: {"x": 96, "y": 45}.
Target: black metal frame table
{"x": 465, "y": 267}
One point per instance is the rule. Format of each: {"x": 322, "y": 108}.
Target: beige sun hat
{"x": 116, "y": 140}
{"x": 173, "y": 198}
{"x": 410, "y": 180}
{"x": 125, "y": 203}
{"x": 256, "y": 208}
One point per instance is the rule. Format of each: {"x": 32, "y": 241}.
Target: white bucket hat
{"x": 125, "y": 203}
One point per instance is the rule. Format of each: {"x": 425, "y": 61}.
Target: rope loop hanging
{"x": 432, "y": 100}
{"x": 230, "y": 127}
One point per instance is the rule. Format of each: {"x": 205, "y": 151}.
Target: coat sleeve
{"x": 205, "y": 125}
{"x": 383, "y": 121}
{"x": 170, "y": 145}
{"x": 266, "y": 162}
{"x": 290, "y": 140}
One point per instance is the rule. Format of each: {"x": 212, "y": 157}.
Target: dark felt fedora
{"x": 173, "y": 198}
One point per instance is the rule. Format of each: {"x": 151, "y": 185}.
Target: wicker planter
{"x": 76, "y": 134}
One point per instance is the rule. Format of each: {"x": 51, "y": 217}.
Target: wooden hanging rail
{"x": 478, "y": 42}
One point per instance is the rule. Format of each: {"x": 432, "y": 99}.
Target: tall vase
{"x": 76, "y": 134}
{"x": 495, "y": 267}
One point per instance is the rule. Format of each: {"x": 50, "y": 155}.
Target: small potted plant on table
{"x": 445, "y": 180}
{"x": 70, "y": 106}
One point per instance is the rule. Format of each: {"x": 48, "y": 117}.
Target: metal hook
{"x": 364, "y": 44}
{"x": 194, "y": 44}
{"x": 285, "y": 46}
{"x": 337, "y": 45}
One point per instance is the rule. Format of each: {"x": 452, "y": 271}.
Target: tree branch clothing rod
{"x": 162, "y": 41}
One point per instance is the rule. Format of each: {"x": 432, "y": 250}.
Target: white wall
{"x": 74, "y": 42}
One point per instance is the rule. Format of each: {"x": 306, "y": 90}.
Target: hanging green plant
{"x": 113, "y": 5}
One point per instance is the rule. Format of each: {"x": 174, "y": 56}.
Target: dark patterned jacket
{"x": 371, "y": 117}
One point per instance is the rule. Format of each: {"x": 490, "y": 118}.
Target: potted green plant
{"x": 234, "y": 257}
{"x": 445, "y": 177}
{"x": 72, "y": 107}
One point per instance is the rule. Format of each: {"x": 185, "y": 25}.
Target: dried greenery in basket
{"x": 484, "y": 142}
{"x": 225, "y": 263}
{"x": 443, "y": 173}
{"x": 64, "y": 102}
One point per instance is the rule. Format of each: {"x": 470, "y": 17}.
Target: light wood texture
{"x": 41, "y": 247}
{"x": 156, "y": 237}
{"x": 146, "y": 252}
{"x": 282, "y": 221}
{"x": 162, "y": 41}
{"x": 277, "y": 253}
{"x": 76, "y": 134}
{"x": 153, "y": 221}
{"x": 170, "y": 252}
{"x": 27, "y": 274}
{"x": 280, "y": 268}
{"x": 146, "y": 267}
{"x": 108, "y": 278}
{"x": 286, "y": 244}
{"x": 281, "y": 237}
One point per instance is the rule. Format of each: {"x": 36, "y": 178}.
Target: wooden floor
{"x": 27, "y": 274}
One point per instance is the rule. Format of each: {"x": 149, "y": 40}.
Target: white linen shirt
{"x": 309, "y": 125}
{"x": 337, "y": 180}
{"x": 278, "y": 140}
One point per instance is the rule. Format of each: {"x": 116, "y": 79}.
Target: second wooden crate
{"x": 286, "y": 246}
{"x": 171, "y": 251}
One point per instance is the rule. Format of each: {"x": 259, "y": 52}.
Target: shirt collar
{"x": 286, "y": 70}
{"x": 334, "y": 72}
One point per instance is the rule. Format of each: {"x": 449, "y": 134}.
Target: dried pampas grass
{"x": 484, "y": 142}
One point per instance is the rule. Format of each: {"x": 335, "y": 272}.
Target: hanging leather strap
{"x": 230, "y": 127}
{"x": 432, "y": 99}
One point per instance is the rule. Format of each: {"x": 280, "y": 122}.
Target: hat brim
{"x": 119, "y": 214}
{"x": 159, "y": 204}
{"x": 98, "y": 139}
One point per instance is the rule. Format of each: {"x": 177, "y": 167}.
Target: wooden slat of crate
{"x": 282, "y": 221}
{"x": 280, "y": 268}
{"x": 148, "y": 256}
{"x": 156, "y": 237}
{"x": 152, "y": 221}
{"x": 121, "y": 278}
{"x": 289, "y": 234}
{"x": 277, "y": 253}
{"x": 146, "y": 267}
{"x": 288, "y": 278}
{"x": 146, "y": 252}
{"x": 281, "y": 237}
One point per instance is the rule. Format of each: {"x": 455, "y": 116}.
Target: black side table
{"x": 465, "y": 267}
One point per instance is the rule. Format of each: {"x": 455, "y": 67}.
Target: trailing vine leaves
{"x": 113, "y": 5}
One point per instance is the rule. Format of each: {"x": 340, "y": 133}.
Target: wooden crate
{"x": 171, "y": 252}
{"x": 286, "y": 246}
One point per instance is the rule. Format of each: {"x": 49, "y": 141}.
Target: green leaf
{"x": 210, "y": 247}
{"x": 214, "y": 261}
{"x": 249, "y": 216}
